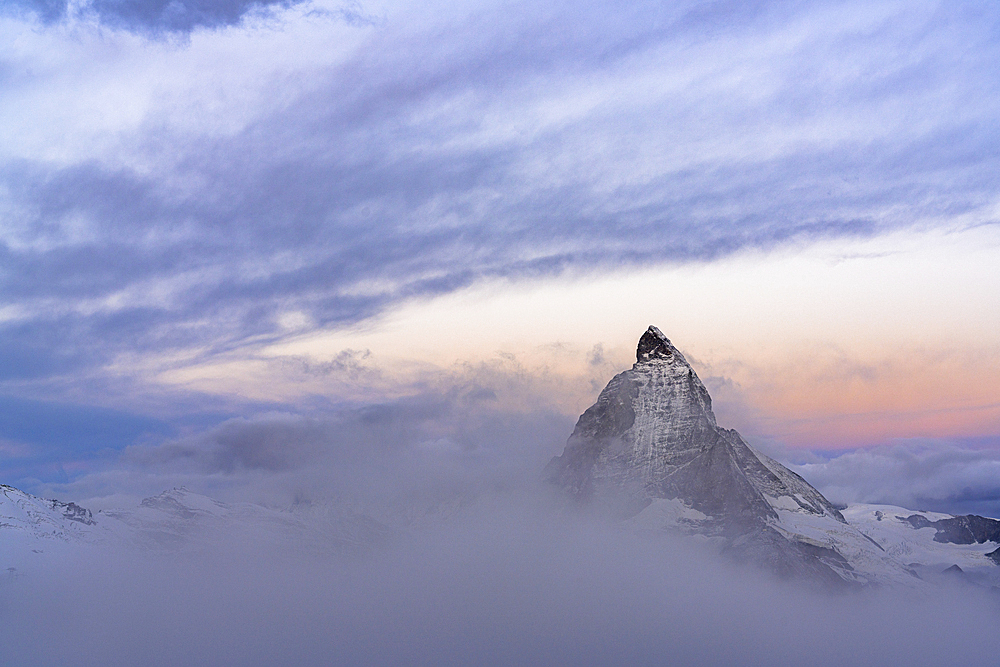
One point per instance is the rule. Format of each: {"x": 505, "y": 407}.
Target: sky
{"x": 240, "y": 239}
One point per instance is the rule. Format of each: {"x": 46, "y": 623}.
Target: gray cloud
{"x": 156, "y": 16}
{"x": 270, "y": 443}
{"x": 958, "y": 478}
{"x": 416, "y": 450}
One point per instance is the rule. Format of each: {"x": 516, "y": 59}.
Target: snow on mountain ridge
{"x": 41, "y": 517}
{"x": 888, "y": 525}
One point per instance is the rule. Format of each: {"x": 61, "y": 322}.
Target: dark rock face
{"x": 73, "y": 512}
{"x": 964, "y": 529}
{"x": 652, "y": 435}
{"x": 654, "y": 345}
{"x": 789, "y": 559}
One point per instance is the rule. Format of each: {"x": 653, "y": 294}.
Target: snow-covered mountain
{"x": 42, "y": 519}
{"x": 34, "y": 530}
{"x": 931, "y": 542}
{"x": 650, "y": 451}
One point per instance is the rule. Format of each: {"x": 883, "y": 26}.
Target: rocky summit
{"x": 650, "y": 451}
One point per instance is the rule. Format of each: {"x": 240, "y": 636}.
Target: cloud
{"x": 494, "y": 423}
{"x": 270, "y": 443}
{"x": 156, "y": 16}
{"x": 483, "y": 428}
{"x": 441, "y": 148}
{"x": 498, "y": 583}
{"x": 958, "y": 478}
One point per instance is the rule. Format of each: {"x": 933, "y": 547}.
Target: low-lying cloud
{"x": 416, "y": 450}
{"x": 505, "y": 582}
{"x": 933, "y": 475}
{"x": 480, "y": 563}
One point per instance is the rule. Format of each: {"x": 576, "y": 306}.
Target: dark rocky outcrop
{"x": 74, "y": 512}
{"x": 963, "y": 529}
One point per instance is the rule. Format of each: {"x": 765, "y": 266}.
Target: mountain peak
{"x": 654, "y": 345}
{"x": 650, "y": 446}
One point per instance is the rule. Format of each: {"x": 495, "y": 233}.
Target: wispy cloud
{"x": 487, "y": 143}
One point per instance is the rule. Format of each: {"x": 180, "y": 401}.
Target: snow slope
{"x": 34, "y": 531}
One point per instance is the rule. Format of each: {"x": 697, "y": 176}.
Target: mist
{"x": 504, "y": 584}
{"x": 481, "y": 563}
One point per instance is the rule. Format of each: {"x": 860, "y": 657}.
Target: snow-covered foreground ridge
{"x": 650, "y": 452}
{"x": 33, "y": 530}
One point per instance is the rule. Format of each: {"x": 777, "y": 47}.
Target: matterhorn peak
{"x": 650, "y": 447}
{"x": 654, "y": 345}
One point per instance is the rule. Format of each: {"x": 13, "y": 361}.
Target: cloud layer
{"x": 957, "y": 478}
{"x": 502, "y": 583}
{"x": 441, "y": 147}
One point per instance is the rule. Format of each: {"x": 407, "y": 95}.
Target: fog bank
{"x": 504, "y": 581}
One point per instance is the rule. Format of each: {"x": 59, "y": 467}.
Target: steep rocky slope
{"x": 650, "y": 451}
